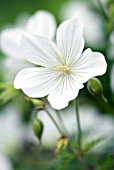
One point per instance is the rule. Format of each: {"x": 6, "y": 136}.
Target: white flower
{"x": 5, "y": 163}
{"x": 13, "y": 132}
{"x": 64, "y": 68}
{"x": 10, "y": 130}
{"x": 41, "y": 23}
{"x": 93, "y": 24}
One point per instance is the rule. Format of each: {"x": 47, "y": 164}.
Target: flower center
{"x": 62, "y": 69}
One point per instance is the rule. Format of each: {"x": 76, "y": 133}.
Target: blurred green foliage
{"x": 9, "y": 9}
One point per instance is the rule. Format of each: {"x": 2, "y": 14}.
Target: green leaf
{"x": 92, "y": 144}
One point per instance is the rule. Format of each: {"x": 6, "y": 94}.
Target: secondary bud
{"x": 62, "y": 143}
{"x": 36, "y": 102}
{"x": 37, "y": 128}
{"x": 95, "y": 88}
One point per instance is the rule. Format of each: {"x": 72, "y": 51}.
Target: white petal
{"x": 42, "y": 23}
{"x": 40, "y": 51}
{"x": 10, "y": 42}
{"x": 89, "y": 65}
{"x": 70, "y": 39}
{"x": 35, "y": 82}
{"x": 65, "y": 89}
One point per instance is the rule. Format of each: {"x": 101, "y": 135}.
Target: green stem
{"x": 55, "y": 123}
{"x": 82, "y": 163}
{"x": 78, "y": 125}
{"x": 104, "y": 99}
{"x": 61, "y": 121}
{"x": 103, "y": 11}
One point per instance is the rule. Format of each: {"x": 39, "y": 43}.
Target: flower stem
{"x": 79, "y": 127}
{"x": 102, "y": 9}
{"x": 61, "y": 121}
{"x": 55, "y": 123}
{"x": 82, "y": 162}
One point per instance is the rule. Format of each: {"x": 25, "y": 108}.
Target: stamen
{"x": 62, "y": 69}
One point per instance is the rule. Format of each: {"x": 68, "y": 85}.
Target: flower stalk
{"x": 61, "y": 122}
{"x": 79, "y": 126}
{"x": 81, "y": 160}
{"x": 55, "y": 123}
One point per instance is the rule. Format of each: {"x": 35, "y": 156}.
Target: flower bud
{"x": 62, "y": 143}
{"x": 95, "y": 88}
{"x": 37, "y": 128}
{"x": 36, "y": 102}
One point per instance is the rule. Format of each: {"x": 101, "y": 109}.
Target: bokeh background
{"x": 19, "y": 148}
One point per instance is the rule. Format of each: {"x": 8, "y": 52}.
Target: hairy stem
{"x": 82, "y": 162}
{"x": 78, "y": 125}
{"x": 61, "y": 121}
{"x": 55, "y": 123}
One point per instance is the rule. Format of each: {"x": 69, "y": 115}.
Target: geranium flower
{"x": 64, "y": 68}
{"x": 41, "y": 23}
{"x": 93, "y": 31}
